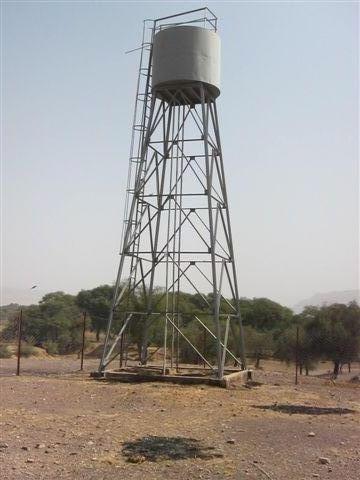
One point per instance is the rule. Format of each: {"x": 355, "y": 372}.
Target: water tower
{"x": 177, "y": 235}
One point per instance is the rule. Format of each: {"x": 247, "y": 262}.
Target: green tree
{"x": 331, "y": 332}
{"x": 97, "y": 302}
{"x": 259, "y": 344}
{"x": 55, "y": 320}
{"x": 264, "y": 314}
{"x": 290, "y": 349}
{"x": 334, "y": 330}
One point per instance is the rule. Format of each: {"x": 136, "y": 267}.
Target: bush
{"x": 27, "y": 350}
{"x": 5, "y": 351}
{"x": 51, "y": 347}
{"x": 66, "y": 343}
{"x": 195, "y": 333}
{"x": 259, "y": 344}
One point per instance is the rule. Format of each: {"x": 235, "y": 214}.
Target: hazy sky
{"x": 289, "y": 117}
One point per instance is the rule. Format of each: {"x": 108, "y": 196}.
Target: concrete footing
{"x": 185, "y": 376}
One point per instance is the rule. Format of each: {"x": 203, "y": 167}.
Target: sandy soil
{"x": 67, "y": 426}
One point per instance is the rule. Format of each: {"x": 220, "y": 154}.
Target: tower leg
{"x": 208, "y": 169}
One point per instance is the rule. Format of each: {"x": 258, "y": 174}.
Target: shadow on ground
{"x": 155, "y": 449}
{"x": 305, "y": 409}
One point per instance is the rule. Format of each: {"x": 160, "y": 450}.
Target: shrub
{"x": 51, "y": 347}
{"x": 66, "y": 343}
{"x": 5, "y": 351}
{"x": 195, "y": 333}
{"x": 27, "y": 350}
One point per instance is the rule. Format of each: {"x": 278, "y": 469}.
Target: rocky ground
{"x": 67, "y": 426}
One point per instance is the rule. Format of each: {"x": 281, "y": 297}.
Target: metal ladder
{"x": 140, "y": 119}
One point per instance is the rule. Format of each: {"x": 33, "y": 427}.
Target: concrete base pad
{"x": 184, "y": 376}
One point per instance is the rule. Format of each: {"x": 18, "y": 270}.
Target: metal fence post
{"x": 19, "y": 343}
{"x": 204, "y": 346}
{"x": 296, "y": 355}
{"x": 121, "y": 350}
{"x": 83, "y": 342}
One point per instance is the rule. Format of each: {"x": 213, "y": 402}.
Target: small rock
{"x": 231, "y": 440}
{"x": 25, "y": 448}
{"x": 30, "y": 460}
{"x": 40, "y": 445}
{"x": 324, "y": 460}
{"x": 73, "y": 453}
{"x": 4, "y": 445}
{"x": 316, "y": 475}
{"x": 311, "y": 434}
{"x": 136, "y": 459}
{"x": 90, "y": 442}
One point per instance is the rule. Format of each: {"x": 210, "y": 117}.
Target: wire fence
{"x": 24, "y": 353}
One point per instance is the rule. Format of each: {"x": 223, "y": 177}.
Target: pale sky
{"x": 289, "y": 118}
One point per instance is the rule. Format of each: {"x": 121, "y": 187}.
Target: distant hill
{"x": 344, "y": 296}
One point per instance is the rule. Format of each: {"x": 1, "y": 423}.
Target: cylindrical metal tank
{"x": 184, "y": 56}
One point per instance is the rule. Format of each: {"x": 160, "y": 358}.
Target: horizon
{"x": 352, "y": 295}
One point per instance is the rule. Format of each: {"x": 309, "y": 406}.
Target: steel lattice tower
{"x": 177, "y": 231}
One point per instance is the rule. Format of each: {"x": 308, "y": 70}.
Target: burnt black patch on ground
{"x": 155, "y": 449}
{"x": 305, "y": 409}
{"x": 252, "y": 384}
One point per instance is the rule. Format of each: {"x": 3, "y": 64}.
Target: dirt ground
{"x": 65, "y": 425}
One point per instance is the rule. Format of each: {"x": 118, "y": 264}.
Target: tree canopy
{"x": 329, "y": 332}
